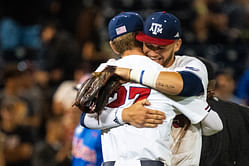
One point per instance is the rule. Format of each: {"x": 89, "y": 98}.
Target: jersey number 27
{"x": 142, "y": 93}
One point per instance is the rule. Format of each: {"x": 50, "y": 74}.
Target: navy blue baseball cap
{"x": 123, "y": 23}
{"x": 160, "y": 28}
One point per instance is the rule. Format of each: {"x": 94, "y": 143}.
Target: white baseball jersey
{"x": 130, "y": 143}
{"x": 189, "y": 150}
{"x": 119, "y": 151}
{"x": 193, "y": 65}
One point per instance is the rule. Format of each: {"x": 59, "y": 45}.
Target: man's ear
{"x": 113, "y": 48}
{"x": 178, "y": 45}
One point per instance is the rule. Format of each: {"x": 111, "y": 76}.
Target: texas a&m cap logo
{"x": 160, "y": 28}
{"x": 156, "y": 28}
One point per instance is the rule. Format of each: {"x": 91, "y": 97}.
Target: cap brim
{"x": 152, "y": 40}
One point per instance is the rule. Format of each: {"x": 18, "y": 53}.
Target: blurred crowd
{"x": 48, "y": 46}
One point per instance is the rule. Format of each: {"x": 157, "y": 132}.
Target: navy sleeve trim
{"x": 192, "y": 85}
{"x": 82, "y": 118}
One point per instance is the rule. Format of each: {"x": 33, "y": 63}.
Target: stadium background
{"x": 43, "y": 43}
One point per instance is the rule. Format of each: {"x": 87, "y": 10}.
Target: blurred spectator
{"x": 87, "y": 147}
{"x": 63, "y": 11}
{"x": 238, "y": 12}
{"x": 60, "y": 53}
{"x": 19, "y": 138}
{"x": 89, "y": 32}
{"x": 211, "y": 22}
{"x": 63, "y": 100}
{"x": 228, "y": 147}
{"x": 12, "y": 86}
{"x": 88, "y": 23}
{"x": 10, "y": 78}
{"x": 19, "y": 27}
{"x": 59, "y": 56}
{"x": 225, "y": 86}
{"x": 19, "y": 84}
{"x": 2, "y": 140}
{"x": 51, "y": 152}
{"x": 33, "y": 93}
{"x": 243, "y": 87}
{"x": 64, "y": 96}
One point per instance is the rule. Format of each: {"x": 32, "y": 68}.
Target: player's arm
{"x": 107, "y": 119}
{"x": 183, "y": 83}
{"x": 211, "y": 124}
{"x": 199, "y": 111}
{"x": 136, "y": 115}
{"x": 139, "y": 116}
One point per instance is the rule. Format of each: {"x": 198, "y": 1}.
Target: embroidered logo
{"x": 121, "y": 30}
{"x": 156, "y": 28}
{"x": 192, "y": 68}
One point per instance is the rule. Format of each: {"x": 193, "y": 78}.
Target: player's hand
{"x": 139, "y": 116}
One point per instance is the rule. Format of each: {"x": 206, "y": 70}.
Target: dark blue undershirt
{"x": 192, "y": 85}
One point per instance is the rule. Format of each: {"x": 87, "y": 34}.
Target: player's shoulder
{"x": 187, "y": 59}
{"x": 138, "y": 61}
{"x": 191, "y": 64}
{"x": 190, "y": 61}
{"x": 133, "y": 58}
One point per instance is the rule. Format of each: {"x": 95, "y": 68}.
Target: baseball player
{"x": 125, "y": 144}
{"x": 160, "y": 44}
{"x": 230, "y": 146}
{"x": 189, "y": 78}
{"x": 118, "y": 102}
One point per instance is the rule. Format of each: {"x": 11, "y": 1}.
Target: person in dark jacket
{"x": 230, "y": 146}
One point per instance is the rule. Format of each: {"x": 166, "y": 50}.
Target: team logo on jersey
{"x": 192, "y": 68}
{"x": 121, "y": 30}
{"x": 156, "y": 28}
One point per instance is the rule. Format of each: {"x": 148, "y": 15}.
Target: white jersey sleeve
{"x": 110, "y": 117}
{"x": 211, "y": 124}
{"x": 193, "y": 65}
{"x": 102, "y": 66}
{"x": 194, "y": 108}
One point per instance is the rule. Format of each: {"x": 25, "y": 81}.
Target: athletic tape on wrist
{"x": 147, "y": 78}
{"x": 150, "y": 78}
{"x": 135, "y": 75}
